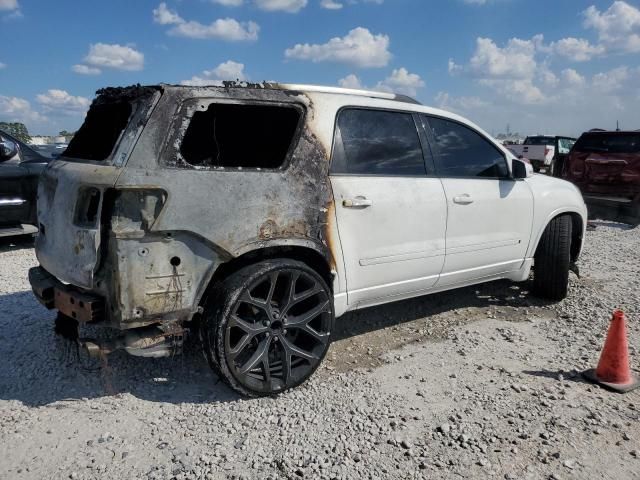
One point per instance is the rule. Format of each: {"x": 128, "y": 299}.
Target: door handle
{"x": 357, "y": 202}
{"x": 464, "y": 199}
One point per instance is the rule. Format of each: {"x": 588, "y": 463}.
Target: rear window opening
{"x": 240, "y": 136}
{"x": 100, "y": 131}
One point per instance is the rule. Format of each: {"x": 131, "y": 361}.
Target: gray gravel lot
{"x": 477, "y": 383}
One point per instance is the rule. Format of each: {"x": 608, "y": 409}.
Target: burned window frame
{"x": 171, "y": 156}
{"x": 141, "y": 110}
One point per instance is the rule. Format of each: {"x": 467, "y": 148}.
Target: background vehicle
{"x": 20, "y": 167}
{"x": 543, "y": 151}
{"x": 262, "y": 213}
{"x": 606, "y": 168}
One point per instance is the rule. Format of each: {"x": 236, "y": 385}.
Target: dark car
{"x": 20, "y": 167}
{"x": 606, "y": 167}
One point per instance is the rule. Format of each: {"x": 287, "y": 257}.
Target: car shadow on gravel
{"x": 20, "y": 242}
{"x": 500, "y": 293}
{"x": 39, "y": 367}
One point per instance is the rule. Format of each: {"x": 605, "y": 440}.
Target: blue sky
{"x": 541, "y": 67}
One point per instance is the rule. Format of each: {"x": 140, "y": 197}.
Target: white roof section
{"x": 347, "y": 91}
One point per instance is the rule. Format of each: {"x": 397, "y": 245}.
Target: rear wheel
{"x": 268, "y": 326}
{"x": 552, "y": 260}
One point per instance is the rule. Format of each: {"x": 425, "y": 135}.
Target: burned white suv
{"x": 256, "y": 214}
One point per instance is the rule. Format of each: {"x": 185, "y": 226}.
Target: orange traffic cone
{"x": 613, "y": 370}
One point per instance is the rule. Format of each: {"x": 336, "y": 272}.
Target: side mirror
{"x": 520, "y": 169}
{"x": 8, "y": 150}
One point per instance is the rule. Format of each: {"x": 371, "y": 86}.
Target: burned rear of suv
{"x": 164, "y": 193}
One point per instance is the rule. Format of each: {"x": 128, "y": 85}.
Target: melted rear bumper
{"x": 81, "y": 306}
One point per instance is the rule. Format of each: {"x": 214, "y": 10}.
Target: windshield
{"x": 539, "y": 141}
{"x": 609, "y": 143}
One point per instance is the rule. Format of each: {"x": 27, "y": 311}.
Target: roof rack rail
{"x": 351, "y": 91}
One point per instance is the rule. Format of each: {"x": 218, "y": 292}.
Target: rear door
{"x": 490, "y": 214}
{"x": 391, "y": 214}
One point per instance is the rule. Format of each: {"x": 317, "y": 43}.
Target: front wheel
{"x": 268, "y": 326}
{"x": 553, "y": 259}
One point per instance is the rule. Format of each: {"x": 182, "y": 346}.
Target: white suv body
{"x": 263, "y": 212}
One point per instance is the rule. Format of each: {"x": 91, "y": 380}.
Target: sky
{"x": 554, "y": 67}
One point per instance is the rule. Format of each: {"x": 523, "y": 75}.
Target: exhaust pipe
{"x": 151, "y": 342}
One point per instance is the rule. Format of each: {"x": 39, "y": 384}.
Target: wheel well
{"x": 576, "y": 235}
{"x": 308, "y": 256}
{"x": 577, "y": 228}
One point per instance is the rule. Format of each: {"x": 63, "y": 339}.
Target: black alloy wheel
{"x": 269, "y": 327}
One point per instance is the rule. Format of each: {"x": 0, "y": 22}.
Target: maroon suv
{"x": 606, "y": 168}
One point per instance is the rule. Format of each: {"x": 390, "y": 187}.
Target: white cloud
{"x": 458, "y": 104}
{"x": 163, "y": 16}
{"x": 546, "y": 76}
{"x": 117, "y": 57}
{"x": 516, "y": 60}
{"x": 227, "y": 29}
{"x": 476, "y": 2}
{"x": 228, "y": 70}
{"x": 289, "y": 6}
{"x": 572, "y": 78}
{"x": 9, "y": 5}
{"x": 401, "y": 81}
{"x": 85, "y": 70}
{"x": 618, "y": 27}
{"x": 351, "y": 81}
{"x": 229, "y": 3}
{"x": 576, "y": 49}
{"x": 330, "y": 4}
{"x": 60, "y": 101}
{"x": 14, "y": 109}
{"x": 3, "y": 65}
{"x": 612, "y": 80}
{"x": 359, "y": 48}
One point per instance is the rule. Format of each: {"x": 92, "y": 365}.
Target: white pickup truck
{"x": 544, "y": 151}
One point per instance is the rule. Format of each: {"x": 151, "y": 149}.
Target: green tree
{"x": 16, "y": 129}
{"x": 66, "y": 133}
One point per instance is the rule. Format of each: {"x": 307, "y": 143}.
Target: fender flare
{"x": 533, "y": 245}
{"x": 256, "y": 246}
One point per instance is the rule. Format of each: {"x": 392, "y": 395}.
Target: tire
{"x": 552, "y": 260}
{"x": 267, "y": 327}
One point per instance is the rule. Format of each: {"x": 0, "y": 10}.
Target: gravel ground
{"x": 481, "y": 382}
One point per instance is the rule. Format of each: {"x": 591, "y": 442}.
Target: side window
{"x": 564, "y": 145}
{"x": 234, "y": 135}
{"x": 462, "y": 152}
{"x": 377, "y": 142}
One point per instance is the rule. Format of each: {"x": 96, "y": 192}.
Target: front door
{"x": 391, "y": 216}
{"x": 490, "y": 215}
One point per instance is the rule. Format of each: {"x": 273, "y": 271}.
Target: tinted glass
{"x": 465, "y": 153}
{"x": 539, "y": 141}
{"x": 377, "y": 142}
{"x": 609, "y": 143}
